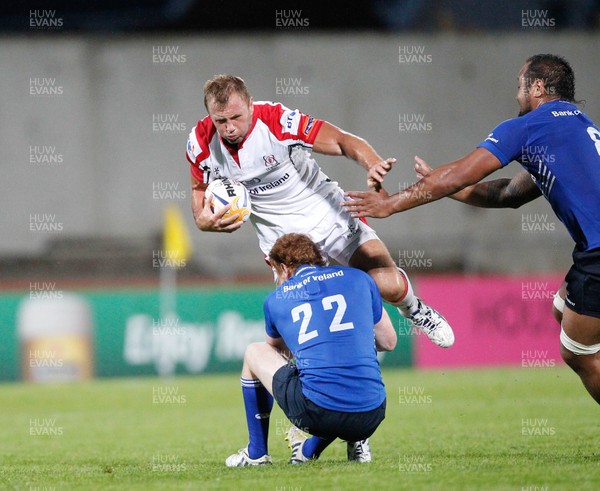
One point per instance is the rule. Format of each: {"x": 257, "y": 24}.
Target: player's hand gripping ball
{"x": 221, "y": 192}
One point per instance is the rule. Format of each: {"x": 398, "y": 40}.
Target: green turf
{"x": 444, "y": 430}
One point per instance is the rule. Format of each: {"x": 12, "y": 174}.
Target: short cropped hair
{"x": 555, "y": 72}
{"x": 219, "y": 89}
{"x": 294, "y": 250}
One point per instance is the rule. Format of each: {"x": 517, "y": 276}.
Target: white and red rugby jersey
{"x": 288, "y": 190}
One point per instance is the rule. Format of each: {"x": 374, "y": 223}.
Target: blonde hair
{"x": 219, "y": 89}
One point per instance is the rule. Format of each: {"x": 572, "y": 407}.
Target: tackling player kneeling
{"x": 329, "y": 318}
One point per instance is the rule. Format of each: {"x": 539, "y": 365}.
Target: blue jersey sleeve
{"x": 376, "y": 302}
{"x": 269, "y": 326}
{"x": 507, "y": 140}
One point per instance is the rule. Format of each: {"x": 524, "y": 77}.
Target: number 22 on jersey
{"x": 304, "y": 312}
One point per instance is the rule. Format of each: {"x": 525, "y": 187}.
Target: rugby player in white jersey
{"x": 267, "y": 147}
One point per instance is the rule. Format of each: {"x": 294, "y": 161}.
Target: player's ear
{"x": 285, "y": 273}
{"x": 279, "y": 272}
{"x": 539, "y": 88}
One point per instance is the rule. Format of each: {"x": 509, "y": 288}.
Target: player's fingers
{"x": 229, "y": 224}
{"x": 232, "y": 227}
{"x": 230, "y": 220}
{"x": 354, "y": 195}
{"x": 383, "y": 167}
{"x": 389, "y": 162}
{"x": 355, "y": 208}
{"x": 221, "y": 213}
{"x": 373, "y": 184}
{"x": 422, "y": 166}
{"x": 375, "y": 175}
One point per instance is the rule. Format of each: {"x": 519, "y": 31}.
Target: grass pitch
{"x": 500, "y": 429}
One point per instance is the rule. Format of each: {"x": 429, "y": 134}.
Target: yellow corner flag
{"x": 176, "y": 238}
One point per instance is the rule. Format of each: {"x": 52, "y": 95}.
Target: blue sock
{"x": 313, "y": 447}
{"x": 258, "y": 403}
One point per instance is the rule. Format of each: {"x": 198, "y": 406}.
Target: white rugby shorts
{"x": 333, "y": 229}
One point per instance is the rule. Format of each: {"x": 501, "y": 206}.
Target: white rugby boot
{"x": 359, "y": 451}
{"x": 433, "y": 324}
{"x": 242, "y": 459}
{"x": 296, "y": 438}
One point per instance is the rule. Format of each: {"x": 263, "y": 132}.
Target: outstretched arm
{"x": 331, "y": 140}
{"x": 443, "y": 181}
{"x": 499, "y": 193}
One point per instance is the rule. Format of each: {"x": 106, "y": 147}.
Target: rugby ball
{"x": 223, "y": 191}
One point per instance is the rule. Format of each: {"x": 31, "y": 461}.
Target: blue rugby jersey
{"x": 560, "y": 147}
{"x": 326, "y": 317}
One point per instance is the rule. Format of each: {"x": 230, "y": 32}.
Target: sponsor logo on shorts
{"x": 352, "y": 230}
